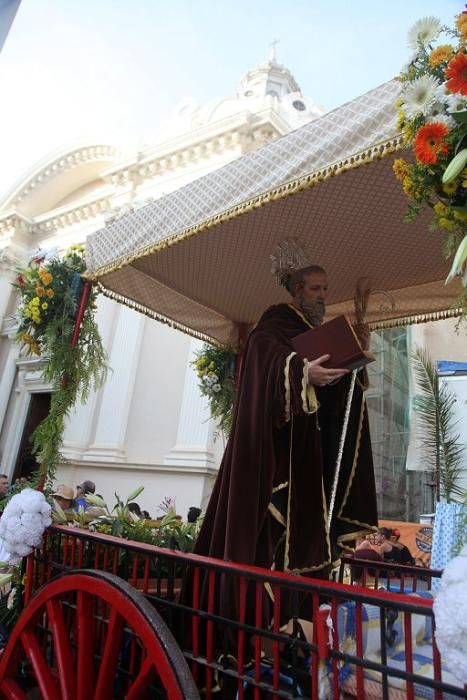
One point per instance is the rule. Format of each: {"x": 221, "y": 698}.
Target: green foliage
{"x": 50, "y": 292}
{"x": 169, "y": 531}
{"x": 215, "y": 368}
{"x": 11, "y": 599}
{"x": 441, "y": 445}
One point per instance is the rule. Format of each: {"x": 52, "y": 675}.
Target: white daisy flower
{"x": 420, "y": 95}
{"x": 438, "y": 107}
{"x": 455, "y": 102}
{"x": 424, "y": 31}
{"x": 216, "y": 387}
{"x": 442, "y": 119}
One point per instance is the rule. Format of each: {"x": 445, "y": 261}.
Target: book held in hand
{"x": 335, "y": 338}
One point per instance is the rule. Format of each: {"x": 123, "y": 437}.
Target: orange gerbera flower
{"x": 456, "y": 74}
{"x": 429, "y": 142}
{"x": 461, "y": 24}
{"x": 440, "y": 55}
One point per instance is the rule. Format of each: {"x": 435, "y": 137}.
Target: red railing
{"x": 250, "y": 633}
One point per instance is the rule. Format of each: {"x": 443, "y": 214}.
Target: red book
{"x": 335, "y": 338}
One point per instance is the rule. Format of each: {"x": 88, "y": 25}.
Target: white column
{"x": 116, "y": 398}
{"x": 79, "y": 430}
{"x": 7, "y": 379}
{"x": 195, "y": 427}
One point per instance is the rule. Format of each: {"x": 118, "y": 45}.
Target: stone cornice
{"x": 12, "y": 221}
{"x": 79, "y": 156}
{"x": 231, "y": 133}
{"x": 242, "y": 132}
{"x": 134, "y": 467}
{"x": 74, "y": 213}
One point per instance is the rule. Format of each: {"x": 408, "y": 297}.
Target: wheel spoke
{"x": 62, "y": 650}
{"x": 141, "y": 681}
{"x": 85, "y": 664}
{"x": 11, "y": 690}
{"x": 112, "y": 648}
{"x": 42, "y": 672}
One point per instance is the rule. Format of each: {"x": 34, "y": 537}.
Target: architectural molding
{"x": 178, "y": 470}
{"x": 79, "y": 156}
{"x": 232, "y": 133}
{"x": 12, "y": 222}
{"x": 72, "y": 214}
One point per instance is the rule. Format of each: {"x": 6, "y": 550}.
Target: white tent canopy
{"x": 199, "y": 258}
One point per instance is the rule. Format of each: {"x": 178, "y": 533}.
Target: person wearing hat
{"x": 63, "y": 496}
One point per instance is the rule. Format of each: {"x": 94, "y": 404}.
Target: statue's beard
{"x": 313, "y": 311}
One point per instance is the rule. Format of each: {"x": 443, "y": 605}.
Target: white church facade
{"x": 148, "y": 426}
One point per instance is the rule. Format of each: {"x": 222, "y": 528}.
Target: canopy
{"x": 199, "y": 258}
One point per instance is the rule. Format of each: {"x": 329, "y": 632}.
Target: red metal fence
{"x": 249, "y": 633}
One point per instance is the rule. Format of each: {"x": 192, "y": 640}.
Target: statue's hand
{"x": 321, "y": 376}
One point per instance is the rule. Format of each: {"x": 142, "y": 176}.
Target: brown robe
{"x": 270, "y": 500}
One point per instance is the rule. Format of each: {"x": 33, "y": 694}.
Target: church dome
{"x": 269, "y": 86}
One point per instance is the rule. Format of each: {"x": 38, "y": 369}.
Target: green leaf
{"x": 134, "y": 494}
{"x": 460, "y": 117}
{"x": 455, "y": 167}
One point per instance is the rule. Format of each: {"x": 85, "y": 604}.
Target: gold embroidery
{"x": 277, "y": 515}
{"x": 287, "y": 386}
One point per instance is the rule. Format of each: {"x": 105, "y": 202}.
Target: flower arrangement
{"x": 22, "y": 525}
{"x": 215, "y": 368}
{"x": 50, "y": 289}
{"x": 432, "y": 115}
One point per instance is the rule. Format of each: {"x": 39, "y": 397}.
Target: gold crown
{"x": 287, "y": 257}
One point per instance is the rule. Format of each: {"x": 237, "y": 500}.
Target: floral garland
{"x": 433, "y": 119}
{"x": 215, "y": 368}
{"x": 50, "y": 290}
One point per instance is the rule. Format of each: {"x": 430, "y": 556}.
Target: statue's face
{"x": 312, "y": 297}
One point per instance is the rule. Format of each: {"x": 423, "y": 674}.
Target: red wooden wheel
{"x": 90, "y": 635}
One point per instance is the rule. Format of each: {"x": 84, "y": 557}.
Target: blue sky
{"x": 114, "y": 69}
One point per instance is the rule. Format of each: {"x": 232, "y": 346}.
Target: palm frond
{"x": 442, "y": 449}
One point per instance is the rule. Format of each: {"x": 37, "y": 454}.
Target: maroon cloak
{"x": 269, "y": 503}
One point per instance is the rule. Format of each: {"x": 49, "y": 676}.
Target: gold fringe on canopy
{"x": 369, "y": 155}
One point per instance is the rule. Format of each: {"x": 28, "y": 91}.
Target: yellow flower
{"x": 399, "y": 102}
{"x": 446, "y": 224}
{"x": 451, "y": 187}
{"x": 408, "y": 187}
{"x": 50, "y": 293}
{"x": 35, "y": 301}
{"x": 40, "y": 291}
{"x": 44, "y": 305}
{"x": 441, "y": 54}
{"x": 440, "y": 208}
{"x": 211, "y": 365}
{"x": 400, "y": 120}
{"x": 27, "y": 338}
{"x": 461, "y": 24}
{"x": 46, "y": 277}
{"x": 400, "y": 168}
{"x": 460, "y": 215}
{"x": 35, "y": 347}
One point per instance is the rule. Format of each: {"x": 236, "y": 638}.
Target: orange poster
{"x": 415, "y": 536}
